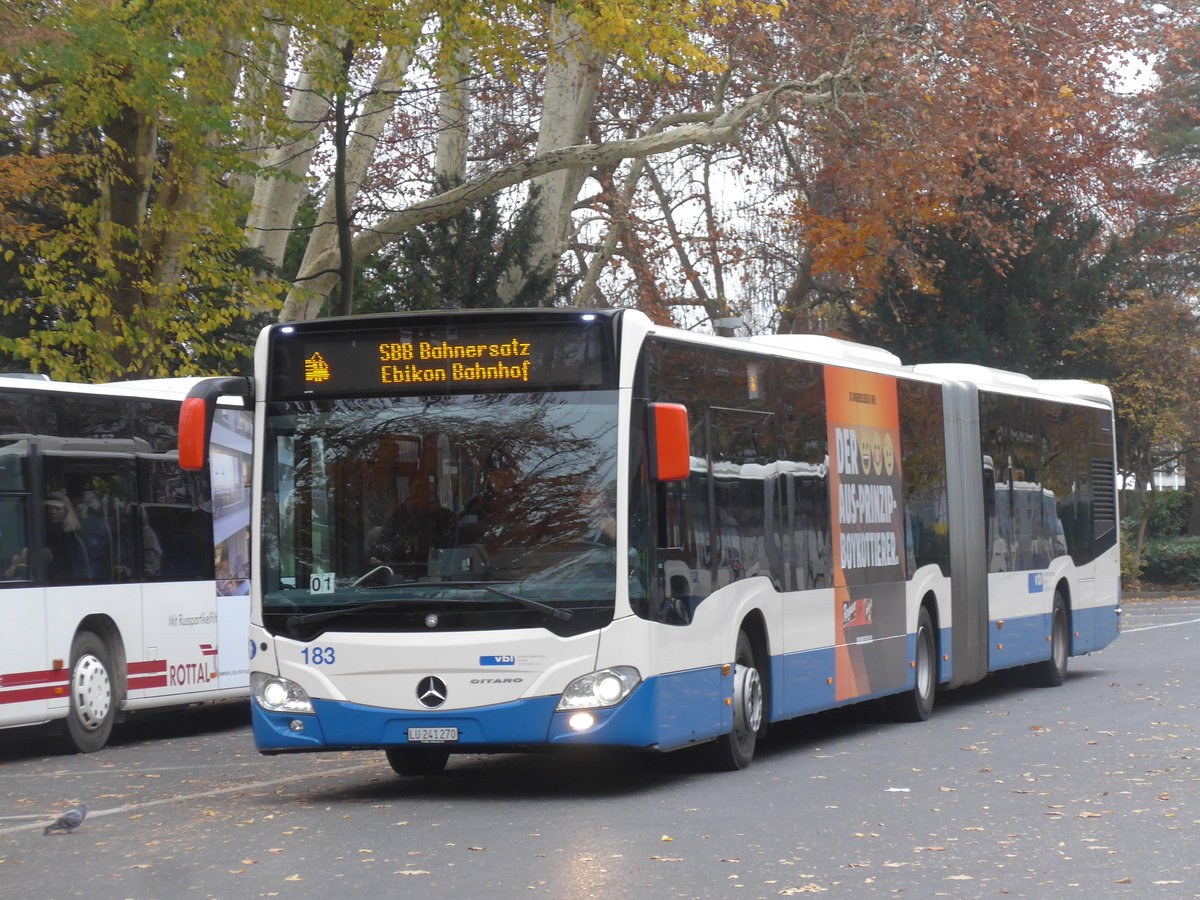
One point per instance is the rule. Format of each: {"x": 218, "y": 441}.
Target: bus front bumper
{"x": 520, "y": 725}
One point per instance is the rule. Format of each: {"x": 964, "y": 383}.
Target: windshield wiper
{"x": 294, "y": 623}
{"x": 564, "y": 614}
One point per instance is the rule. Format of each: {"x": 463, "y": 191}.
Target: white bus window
{"x": 14, "y": 541}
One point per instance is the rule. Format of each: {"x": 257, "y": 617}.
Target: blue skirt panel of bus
{"x": 1026, "y": 639}
{"x": 1097, "y": 627}
{"x": 804, "y": 683}
{"x": 664, "y": 712}
{"x": 1016, "y": 642}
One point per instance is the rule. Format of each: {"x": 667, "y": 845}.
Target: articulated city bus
{"x": 509, "y": 530}
{"x": 123, "y": 580}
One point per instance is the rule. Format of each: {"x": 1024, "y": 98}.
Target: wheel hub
{"x": 93, "y": 692}
{"x": 749, "y": 709}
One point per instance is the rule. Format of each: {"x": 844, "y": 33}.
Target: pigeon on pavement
{"x": 68, "y": 821}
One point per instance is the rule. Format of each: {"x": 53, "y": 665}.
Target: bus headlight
{"x": 276, "y": 694}
{"x": 607, "y": 687}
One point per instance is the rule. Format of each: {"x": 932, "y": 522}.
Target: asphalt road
{"x": 1090, "y": 790}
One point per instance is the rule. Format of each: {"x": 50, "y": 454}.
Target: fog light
{"x": 581, "y": 721}
{"x": 296, "y": 725}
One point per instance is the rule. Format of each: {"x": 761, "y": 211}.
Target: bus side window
{"x": 14, "y": 512}
{"x": 14, "y": 540}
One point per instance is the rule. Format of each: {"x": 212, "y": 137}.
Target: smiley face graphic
{"x": 877, "y": 454}
{"x": 864, "y": 450}
{"x": 889, "y": 455}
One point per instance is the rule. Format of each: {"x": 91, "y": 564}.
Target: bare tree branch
{"x": 712, "y": 127}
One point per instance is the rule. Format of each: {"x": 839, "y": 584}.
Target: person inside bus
{"x": 599, "y": 507}
{"x": 18, "y": 566}
{"x": 66, "y": 561}
{"x": 412, "y": 531}
{"x": 97, "y": 538}
{"x": 485, "y": 517}
{"x": 152, "y": 551}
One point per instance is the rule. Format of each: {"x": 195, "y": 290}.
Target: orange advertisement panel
{"x": 868, "y": 530}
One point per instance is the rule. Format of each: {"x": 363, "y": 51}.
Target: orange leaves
{"x": 22, "y": 178}
{"x": 943, "y": 103}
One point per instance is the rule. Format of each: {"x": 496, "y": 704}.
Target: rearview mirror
{"x": 196, "y": 417}
{"x": 670, "y": 447}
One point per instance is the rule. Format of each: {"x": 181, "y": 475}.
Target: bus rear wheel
{"x": 735, "y": 750}
{"x": 417, "y": 760}
{"x": 94, "y": 700}
{"x": 916, "y": 704}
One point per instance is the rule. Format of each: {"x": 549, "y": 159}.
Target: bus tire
{"x": 735, "y": 750}
{"x": 94, "y": 700}
{"x": 916, "y": 704}
{"x": 1053, "y": 671}
{"x": 417, "y": 760}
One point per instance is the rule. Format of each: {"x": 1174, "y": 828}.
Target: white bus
{"x": 505, "y": 530}
{"x": 123, "y": 579}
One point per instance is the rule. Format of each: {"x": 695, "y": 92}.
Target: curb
{"x": 1183, "y": 594}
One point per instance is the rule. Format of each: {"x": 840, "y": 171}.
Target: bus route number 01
{"x": 321, "y": 583}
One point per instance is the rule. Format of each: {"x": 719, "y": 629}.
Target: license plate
{"x": 443, "y": 735}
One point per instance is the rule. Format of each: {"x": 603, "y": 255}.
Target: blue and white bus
{"x": 520, "y": 529}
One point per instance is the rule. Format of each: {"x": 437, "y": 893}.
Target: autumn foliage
{"x": 776, "y": 162}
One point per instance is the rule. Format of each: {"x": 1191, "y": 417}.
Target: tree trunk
{"x": 572, "y": 76}
{"x": 341, "y": 206}
{"x": 313, "y": 280}
{"x": 280, "y": 188}
{"x": 264, "y": 73}
{"x": 454, "y": 113}
{"x": 132, "y": 140}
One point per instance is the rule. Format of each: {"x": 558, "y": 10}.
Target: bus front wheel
{"x": 735, "y": 750}
{"x": 1053, "y": 671}
{"x": 93, "y": 707}
{"x": 417, "y": 760}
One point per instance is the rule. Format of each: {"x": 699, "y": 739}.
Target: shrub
{"x": 1171, "y": 562}
{"x": 1131, "y": 574}
{"x": 1169, "y": 518}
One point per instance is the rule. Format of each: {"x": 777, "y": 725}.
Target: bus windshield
{"x": 456, "y": 512}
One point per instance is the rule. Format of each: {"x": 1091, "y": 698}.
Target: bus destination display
{"x": 417, "y": 359}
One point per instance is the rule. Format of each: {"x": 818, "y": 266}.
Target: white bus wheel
{"x": 94, "y": 700}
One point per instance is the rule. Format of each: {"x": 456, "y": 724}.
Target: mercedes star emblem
{"x": 431, "y": 692}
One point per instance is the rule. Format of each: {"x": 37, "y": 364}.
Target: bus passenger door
{"x": 179, "y": 604}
